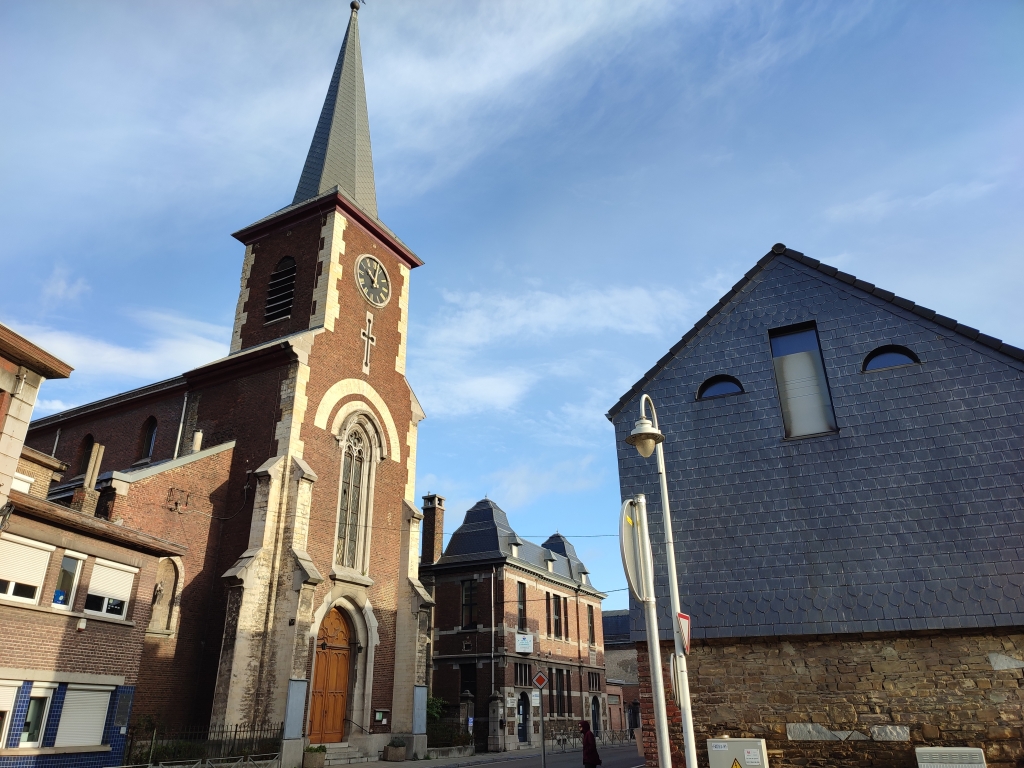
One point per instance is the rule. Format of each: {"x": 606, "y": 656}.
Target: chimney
{"x": 433, "y": 527}
{"x": 86, "y": 497}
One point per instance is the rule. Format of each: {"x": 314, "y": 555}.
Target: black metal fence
{"x": 149, "y": 746}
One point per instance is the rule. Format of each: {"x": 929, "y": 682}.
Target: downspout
{"x": 493, "y": 691}
{"x": 56, "y": 440}
{"x": 579, "y": 655}
{"x": 181, "y": 425}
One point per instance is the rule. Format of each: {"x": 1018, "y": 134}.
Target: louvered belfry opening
{"x": 281, "y": 290}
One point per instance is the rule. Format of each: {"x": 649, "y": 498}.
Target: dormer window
{"x": 551, "y": 565}
{"x": 515, "y": 550}
{"x": 280, "y": 291}
{"x": 889, "y": 356}
{"x": 800, "y": 378}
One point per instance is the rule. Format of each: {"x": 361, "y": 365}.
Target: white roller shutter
{"x": 112, "y": 582}
{"x": 82, "y": 719}
{"x": 7, "y": 694}
{"x": 23, "y": 560}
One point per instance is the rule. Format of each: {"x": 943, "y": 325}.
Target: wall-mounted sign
{"x": 524, "y": 643}
{"x": 536, "y": 699}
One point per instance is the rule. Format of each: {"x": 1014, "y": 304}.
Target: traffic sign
{"x": 629, "y": 545}
{"x": 684, "y": 631}
{"x": 540, "y": 679}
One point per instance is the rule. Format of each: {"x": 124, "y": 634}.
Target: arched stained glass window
{"x": 281, "y": 291}
{"x": 889, "y": 356}
{"x": 719, "y": 386}
{"x": 352, "y": 482}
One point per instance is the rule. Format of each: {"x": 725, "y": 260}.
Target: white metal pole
{"x": 653, "y": 641}
{"x": 682, "y": 681}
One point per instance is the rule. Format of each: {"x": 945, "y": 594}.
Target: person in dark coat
{"x": 590, "y": 757}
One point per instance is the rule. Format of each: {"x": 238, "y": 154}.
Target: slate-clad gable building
{"x": 845, "y": 471}
{"x": 507, "y": 608}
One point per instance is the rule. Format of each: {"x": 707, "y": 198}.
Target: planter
{"x": 392, "y": 754}
{"x": 313, "y": 759}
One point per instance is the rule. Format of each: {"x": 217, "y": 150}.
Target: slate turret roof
{"x": 339, "y": 154}
{"x": 485, "y": 537}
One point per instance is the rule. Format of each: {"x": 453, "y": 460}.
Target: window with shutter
{"x": 22, "y": 567}
{"x": 8, "y": 692}
{"x": 109, "y": 588}
{"x": 803, "y": 387}
{"x": 83, "y": 716}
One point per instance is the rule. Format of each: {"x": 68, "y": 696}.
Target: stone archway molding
{"x": 346, "y": 388}
{"x": 364, "y": 624}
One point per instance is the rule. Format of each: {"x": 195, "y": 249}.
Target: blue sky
{"x": 555, "y": 164}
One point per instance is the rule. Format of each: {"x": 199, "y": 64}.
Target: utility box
{"x": 950, "y": 757}
{"x": 737, "y": 753}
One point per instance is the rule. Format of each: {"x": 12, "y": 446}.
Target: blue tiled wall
{"x": 911, "y": 517}
{"x": 111, "y": 735}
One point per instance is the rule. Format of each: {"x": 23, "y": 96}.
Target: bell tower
{"x": 335, "y": 532}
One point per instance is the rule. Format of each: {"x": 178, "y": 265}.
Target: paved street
{"x": 612, "y": 757}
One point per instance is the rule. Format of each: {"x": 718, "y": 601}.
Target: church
{"x": 287, "y": 469}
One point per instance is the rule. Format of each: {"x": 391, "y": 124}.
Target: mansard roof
{"x": 485, "y": 537}
{"x": 781, "y": 251}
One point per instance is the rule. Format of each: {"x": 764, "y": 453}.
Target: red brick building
{"x": 506, "y": 609}
{"x": 74, "y": 597}
{"x": 288, "y": 467}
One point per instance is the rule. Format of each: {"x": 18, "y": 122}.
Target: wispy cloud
{"x": 879, "y": 205}
{"x": 61, "y": 288}
{"x": 467, "y": 349}
{"x": 522, "y": 483}
{"x": 172, "y": 344}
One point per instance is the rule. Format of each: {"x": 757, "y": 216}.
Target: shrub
{"x": 396, "y": 741}
{"x": 317, "y": 748}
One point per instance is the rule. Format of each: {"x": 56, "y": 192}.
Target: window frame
{"x": 591, "y": 631}
{"x": 718, "y": 379}
{"x": 557, "y": 615}
{"x": 270, "y": 280}
{"x": 9, "y": 595}
{"x": 828, "y": 403}
{"x": 46, "y": 689}
{"x": 5, "y": 724}
{"x": 105, "y": 612}
{"x": 886, "y": 349}
{"x": 75, "y": 582}
{"x": 547, "y": 601}
{"x": 471, "y": 605}
{"x": 521, "y": 605}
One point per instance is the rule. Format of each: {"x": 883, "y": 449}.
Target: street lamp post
{"x": 647, "y": 438}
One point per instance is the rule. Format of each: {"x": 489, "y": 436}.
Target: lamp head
{"x": 644, "y": 437}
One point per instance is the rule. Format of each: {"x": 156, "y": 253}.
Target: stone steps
{"x": 343, "y": 754}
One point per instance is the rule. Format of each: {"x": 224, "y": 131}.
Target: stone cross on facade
{"x": 369, "y": 340}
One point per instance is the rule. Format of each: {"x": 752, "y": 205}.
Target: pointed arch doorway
{"x": 332, "y": 665}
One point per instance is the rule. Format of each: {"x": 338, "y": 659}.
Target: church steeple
{"x": 340, "y": 152}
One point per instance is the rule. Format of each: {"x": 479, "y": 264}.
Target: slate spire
{"x": 340, "y": 152}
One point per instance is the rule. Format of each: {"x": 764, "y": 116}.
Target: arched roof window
{"x": 719, "y": 386}
{"x": 147, "y": 439}
{"x": 889, "y": 356}
{"x": 281, "y": 291}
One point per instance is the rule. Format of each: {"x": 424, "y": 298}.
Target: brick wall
{"x": 41, "y": 637}
{"x": 944, "y": 688}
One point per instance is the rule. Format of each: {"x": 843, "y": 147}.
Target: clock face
{"x": 373, "y": 280}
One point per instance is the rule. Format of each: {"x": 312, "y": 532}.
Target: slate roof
{"x": 616, "y": 627}
{"x": 340, "y": 154}
{"x": 781, "y": 250}
{"x": 910, "y": 517}
{"x": 486, "y": 537}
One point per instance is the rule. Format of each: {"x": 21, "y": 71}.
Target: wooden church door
{"x": 329, "y": 702}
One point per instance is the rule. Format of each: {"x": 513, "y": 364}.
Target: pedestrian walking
{"x": 590, "y": 757}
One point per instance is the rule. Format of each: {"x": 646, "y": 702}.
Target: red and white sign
{"x": 540, "y": 679}
{"x": 684, "y": 631}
